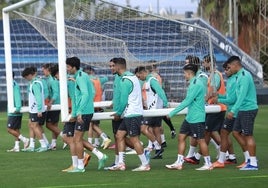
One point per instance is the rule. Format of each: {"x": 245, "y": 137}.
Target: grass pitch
{"x": 44, "y": 169}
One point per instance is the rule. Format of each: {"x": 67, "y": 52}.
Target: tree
{"x": 216, "y": 11}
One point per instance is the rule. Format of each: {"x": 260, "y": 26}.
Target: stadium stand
{"x": 172, "y": 87}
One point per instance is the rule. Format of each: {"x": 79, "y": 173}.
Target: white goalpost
{"x": 96, "y": 32}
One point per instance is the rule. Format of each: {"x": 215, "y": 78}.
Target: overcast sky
{"x": 179, "y": 5}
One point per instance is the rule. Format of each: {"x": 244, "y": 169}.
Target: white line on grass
{"x": 85, "y": 185}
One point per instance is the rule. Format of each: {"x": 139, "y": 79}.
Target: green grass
{"x": 44, "y": 169}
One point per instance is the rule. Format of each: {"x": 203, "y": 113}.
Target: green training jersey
{"x": 17, "y": 99}
{"x": 195, "y": 101}
{"x": 230, "y": 97}
{"x": 116, "y": 92}
{"x": 83, "y": 94}
{"x": 245, "y": 92}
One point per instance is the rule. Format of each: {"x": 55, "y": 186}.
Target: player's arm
{"x": 116, "y": 93}
{"x": 159, "y": 90}
{"x": 55, "y": 87}
{"x": 85, "y": 95}
{"x": 17, "y": 97}
{"x": 103, "y": 80}
{"x": 229, "y": 98}
{"x": 192, "y": 92}
{"x": 244, "y": 84}
{"x": 71, "y": 93}
{"x": 37, "y": 91}
{"x": 217, "y": 81}
{"x": 126, "y": 86}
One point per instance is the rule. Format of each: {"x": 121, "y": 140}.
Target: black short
{"x": 68, "y": 129}
{"x": 132, "y": 125}
{"x": 97, "y": 110}
{"x": 14, "y": 122}
{"x": 196, "y": 130}
{"x": 214, "y": 121}
{"x": 116, "y": 125}
{"x": 85, "y": 125}
{"x": 152, "y": 121}
{"x": 228, "y": 124}
{"x": 244, "y": 122}
{"x": 34, "y": 118}
{"x": 53, "y": 116}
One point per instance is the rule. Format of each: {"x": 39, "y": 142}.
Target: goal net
{"x": 97, "y": 31}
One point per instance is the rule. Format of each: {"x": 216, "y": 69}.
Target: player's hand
{"x": 49, "y": 104}
{"x": 79, "y": 119}
{"x": 39, "y": 114}
{"x": 72, "y": 119}
{"x": 71, "y": 79}
{"x": 230, "y": 115}
{"x": 116, "y": 117}
{"x": 16, "y": 112}
{"x": 214, "y": 99}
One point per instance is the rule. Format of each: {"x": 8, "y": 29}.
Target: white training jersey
{"x": 32, "y": 99}
{"x": 153, "y": 101}
{"x": 134, "y": 105}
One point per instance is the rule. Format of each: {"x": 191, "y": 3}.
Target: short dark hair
{"x": 195, "y": 60}
{"x": 225, "y": 64}
{"x": 73, "y": 62}
{"x": 191, "y": 67}
{"x": 120, "y": 61}
{"x": 28, "y": 71}
{"x": 89, "y": 69}
{"x": 140, "y": 69}
{"x": 47, "y": 65}
{"x": 233, "y": 58}
{"x": 208, "y": 58}
{"x": 189, "y": 57}
{"x": 54, "y": 69}
{"x": 113, "y": 59}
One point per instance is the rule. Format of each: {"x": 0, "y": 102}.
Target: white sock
{"x": 143, "y": 160}
{"x": 222, "y": 157}
{"x": 43, "y": 143}
{"x": 156, "y": 145}
{"x": 54, "y": 142}
{"x": 89, "y": 139}
{"x": 214, "y": 144}
{"x": 191, "y": 151}
{"x": 197, "y": 156}
{"x": 22, "y": 138}
{"x": 80, "y": 164}
{"x": 96, "y": 152}
{"x": 45, "y": 139}
{"x": 207, "y": 160}
{"x": 97, "y": 141}
{"x": 227, "y": 154}
{"x": 17, "y": 144}
{"x": 163, "y": 139}
{"x": 116, "y": 159}
{"x": 180, "y": 160}
{"x": 32, "y": 143}
{"x": 231, "y": 156}
{"x": 75, "y": 161}
{"x": 253, "y": 161}
{"x": 103, "y": 136}
{"x": 150, "y": 144}
{"x": 246, "y": 155}
{"x": 121, "y": 156}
